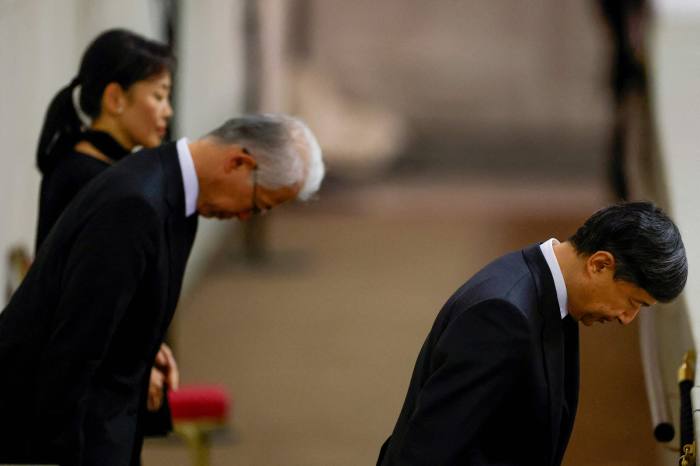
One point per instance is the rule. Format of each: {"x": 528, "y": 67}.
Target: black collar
{"x": 106, "y": 144}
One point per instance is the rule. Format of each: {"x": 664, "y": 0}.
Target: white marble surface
{"x": 674, "y": 57}
{"x": 675, "y": 7}
{"x": 675, "y": 64}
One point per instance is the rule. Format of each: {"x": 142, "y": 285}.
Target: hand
{"x": 155, "y": 390}
{"x": 165, "y": 362}
{"x": 163, "y": 373}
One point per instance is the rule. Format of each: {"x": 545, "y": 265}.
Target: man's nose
{"x": 243, "y": 216}
{"x": 628, "y": 316}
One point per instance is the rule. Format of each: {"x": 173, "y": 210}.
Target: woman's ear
{"x": 113, "y": 99}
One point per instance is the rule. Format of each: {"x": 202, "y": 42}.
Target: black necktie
{"x": 570, "y": 337}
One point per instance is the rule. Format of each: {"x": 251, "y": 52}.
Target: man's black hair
{"x": 645, "y": 242}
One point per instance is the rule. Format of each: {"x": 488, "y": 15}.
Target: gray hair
{"x": 285, "y": 149}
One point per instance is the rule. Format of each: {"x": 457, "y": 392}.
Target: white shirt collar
{"x": 547, "y": 249}
{"x": 189, "y": 176}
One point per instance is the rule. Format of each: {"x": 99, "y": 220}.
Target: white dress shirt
{"x": 189, "y": 177}
{"x": 547, "y": 249}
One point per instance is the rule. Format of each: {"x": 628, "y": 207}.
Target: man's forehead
{"x": 634, "y": 291}
{"x": 642, "y": 296}
{"x": 279, "y": 195}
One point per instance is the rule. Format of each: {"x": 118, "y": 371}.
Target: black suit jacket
{"x": 79, "y": 336}
{"x": 496, "y": 381}
{"x": 69, "y": 174}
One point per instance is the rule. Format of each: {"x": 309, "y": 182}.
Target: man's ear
{"x": 113, "y": 99}
{"x": 237, "y": 157}
{"x": 599, "y": 261}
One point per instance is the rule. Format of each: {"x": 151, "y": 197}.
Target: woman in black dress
{"x": 119, "y": 100}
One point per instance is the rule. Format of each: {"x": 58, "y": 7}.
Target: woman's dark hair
{"x": 646, "y": 244}
{"x": 116, "y": 55}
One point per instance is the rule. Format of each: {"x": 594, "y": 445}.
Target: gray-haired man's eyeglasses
{"x": 254, "y": 209}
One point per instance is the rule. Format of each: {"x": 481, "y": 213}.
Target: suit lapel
{"x": 551, "y": 339}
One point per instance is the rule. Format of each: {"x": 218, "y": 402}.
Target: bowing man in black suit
{"x": 496, "y": 382}
{"x": 79, "y": 336}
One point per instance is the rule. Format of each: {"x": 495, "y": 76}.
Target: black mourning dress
{"x": 69, "y": 173}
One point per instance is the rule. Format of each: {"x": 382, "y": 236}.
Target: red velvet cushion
{"x": 199, "y": 401}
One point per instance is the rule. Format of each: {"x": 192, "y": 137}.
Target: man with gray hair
{"x": 79, "y": 336}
